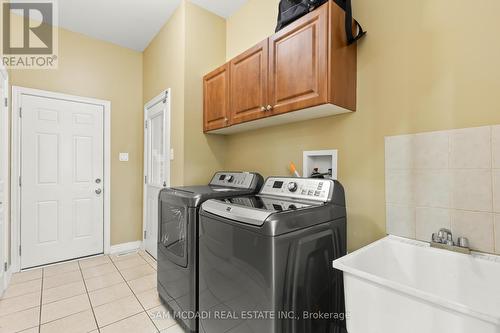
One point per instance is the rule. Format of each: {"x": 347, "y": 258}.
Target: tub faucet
{"x": 444, "y": 236}
{"x": 444, "y": 240}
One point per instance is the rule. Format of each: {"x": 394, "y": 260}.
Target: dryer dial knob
{"x": 230, "y": 179}
{"x": 293, "y": 186}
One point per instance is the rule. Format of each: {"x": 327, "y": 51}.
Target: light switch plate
{"x": 123, "y": 157}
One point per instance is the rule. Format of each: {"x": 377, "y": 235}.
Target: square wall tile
{"x": 478, "y": 227}
{"x": 430, "y": 220}
{"x": 400, "y": 187}
{"x": 497, "y": 233}
{"x": 496, "y": 191}
{"x": 470, "y": 148}
{"x": 401, "y": 220}
{"x": 433, "y": 188}
{"x": 399, "y": 152}
{"x": 472, "y": 190}
{"x": 432, "y": 150}
{"x": 495, "y": 140}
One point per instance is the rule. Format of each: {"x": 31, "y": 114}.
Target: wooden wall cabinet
{"x": 249, "y": 80}
{"x": 298, "y": 64}
{"x": 304, "y": 71}
{"x": 216, "y": 99}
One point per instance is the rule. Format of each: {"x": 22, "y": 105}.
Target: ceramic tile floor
{"x": 105, "y": 294}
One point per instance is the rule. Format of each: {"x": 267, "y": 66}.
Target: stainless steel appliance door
{"x": 173, "y": 232}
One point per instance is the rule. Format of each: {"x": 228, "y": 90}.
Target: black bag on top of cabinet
{"x": 291, "y": 10}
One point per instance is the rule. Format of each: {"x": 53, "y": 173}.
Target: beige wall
{"x": 424, "y": 66}
{"x": 205, "y": 50}
{"x": 164, "y": 63}
{"x": 92, "y": 68}
{"x": 190, "y": 44}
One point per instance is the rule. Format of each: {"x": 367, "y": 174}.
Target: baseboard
{"x": 125, "y": 247}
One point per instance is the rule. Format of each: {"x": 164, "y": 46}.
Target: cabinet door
{"x": 249, "y": 84}
{"x": 216, "y": 99}
{"x": 298, "y": 66}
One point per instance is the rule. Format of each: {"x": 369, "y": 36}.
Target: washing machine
{"x": 265, "y": 260}
{"x": 178, "y": 239}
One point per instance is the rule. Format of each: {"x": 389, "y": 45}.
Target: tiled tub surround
{"x": 445, "y": 179}
{"x": 101, "y": 294}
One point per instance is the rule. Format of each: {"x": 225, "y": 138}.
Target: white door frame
{"x": 4, "y": 131}
{"x": 17, "y": 93}
{"x": 166, "y": 146}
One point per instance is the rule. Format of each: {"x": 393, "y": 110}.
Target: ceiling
{"x": 129, "y": 23}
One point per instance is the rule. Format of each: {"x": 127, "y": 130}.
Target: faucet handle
{"x": 436, "y": 238}
{"x": 463, "y": 242}
{"x": 445, "y": 234}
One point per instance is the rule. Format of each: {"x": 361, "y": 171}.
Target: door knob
{"x": 98, "y": 191}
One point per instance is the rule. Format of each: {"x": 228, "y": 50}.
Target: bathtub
{"x": 396, "y": 285}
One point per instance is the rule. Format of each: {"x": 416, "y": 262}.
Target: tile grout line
{"x": 88, "y": 297}
{"x": 151, "y": 258}
{"x": 133, "y": 293}
{"x": 492, "y": 151}
{"x": 41, "y": 303}
{"x": 87, "y": 292}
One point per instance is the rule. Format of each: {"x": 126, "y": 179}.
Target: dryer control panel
{"x": 234, "y": 179}
{"x": 299, "y": 188}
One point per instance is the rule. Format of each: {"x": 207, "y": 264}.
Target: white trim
{"x": 17, "y": 92}
{"x": 125, "y": 247}
{"x": 4, "y": 132}
{"x": 166, "y": 145}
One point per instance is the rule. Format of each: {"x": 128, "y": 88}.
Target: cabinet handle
{"x": 263, "y": 109}
{"x": 269, "y": 108}
{"x": 226, "y": 120}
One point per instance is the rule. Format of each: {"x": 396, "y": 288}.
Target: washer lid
{"x": 253, "y": 210}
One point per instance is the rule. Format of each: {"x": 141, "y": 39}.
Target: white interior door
{"x": 4, "y": 141}
{"x": 62, "y": 167}
{"x": 157, "y": 165}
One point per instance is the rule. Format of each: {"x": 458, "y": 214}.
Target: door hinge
{"x": 5, "y": 267}
{"x": 19, "y": 181}
{"x": 146, "y": 124}
{"x": 19, "y": 250}
{"x": 5, "y": 102}
{"x": 20, "y": 112}
{"x": 145, "y": 232}
{"x": 146, "y": 180}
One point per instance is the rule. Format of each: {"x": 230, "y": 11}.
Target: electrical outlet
{"x": 123, "y": 157}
